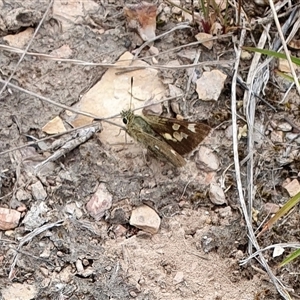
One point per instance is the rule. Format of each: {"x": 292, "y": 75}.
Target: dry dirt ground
{"x": 197, "y": 251}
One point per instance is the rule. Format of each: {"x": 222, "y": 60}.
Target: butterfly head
{"x": 127, "y": 116}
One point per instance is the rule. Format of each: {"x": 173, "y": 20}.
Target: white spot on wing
{"x": 168, "y": 137}
{"x": 192, "y": 127}
{"x": 175, "y": 126}
{"x": 177, "y": 136}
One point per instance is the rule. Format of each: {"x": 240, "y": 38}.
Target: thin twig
{"x": 178, "y": 27}
{"x": 107, "y": 65}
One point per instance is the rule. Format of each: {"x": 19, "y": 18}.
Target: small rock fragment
{"x": 283, "y": 65}
{"x": 216, "y": 29}
{"x": 9, "y": 218}
{"x": 277, "y": 136}
{"x": 284, "y": 126}
{"x": 87, "y": 272}
{"x": 221, "y": 4}
{"x": 65, "y": 176}
{"x": 203, "y": 36}
{"x": 187, "y": 17}
{"x": 63, "y": 52}
{"x": 207, "y": 243}
{"x": 175, "y": 91}
{"x": 153, "y": 50}
{"x": 175, "y": 9}
{"x": 142, "y": 18}
{"x": 143, "y": 235}
{"x": 38, "y": 191}
{"x": 100, "y": 202}
{"x": 293, "y": 187}
{"x": 20, "y": 39}
{"x": 79, "y": 266}
{"x": 54, "y": 126}
{"x": 178, "y": 278}
{"x": 47, "y": 251}
{"x": 187, "y": 55}
{"x": 36, "y": 216}
{"x": 67, "y": 13}
{"x": 271, "y": 208}
{"x": 225, "y": 212}
{"x": 216, "y": 194}
{"x": 119, "y": 231}
{"x": 292, "y": 136}
{"x": 85, "y": 262}
{"x": 17, "y": 291}
{"x": 207, "y": 160}
{"x": 245, "y": 55}
{"x": 175, "y": 107}
{"x": 210, "y": 85}
{"x": 22, "y": 195}
{"x": 20, "y": 17}
{"x": 44, "y": 271}
{"x": 72, "y": 209}
{"x": 155, "y": 109}
{"x": 66, "y": 274}
{"x": 145, "y": 218}
{"x": 278, "y": 250}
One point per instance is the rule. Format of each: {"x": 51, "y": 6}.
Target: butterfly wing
{"x": 160, "y": 148}
{"x": 182, "y": 136}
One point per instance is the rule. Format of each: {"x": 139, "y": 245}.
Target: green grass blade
{"x": 294, "y": 59}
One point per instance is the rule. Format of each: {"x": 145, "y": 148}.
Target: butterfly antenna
{"x": 131, "y": 85}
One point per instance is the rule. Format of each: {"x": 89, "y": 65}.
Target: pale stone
{"x": 111, "y": 95}
{"x": 62, "y": 52}
{"x": 284, "y": 126}
{"x": 245, "y": 55}
{"x": 225, "y": 212}
{"x": 145, "y": 218}
{"x": 277, "y": 136}
{"x": 70, "y": 13}
{"x": 72, "y": 209}
{"x": 207, "y": 160}
{"x": 17, "y": 291}
{"x": 176, "y": 10}
{"x": 54, "y": 126}
{"x": 38, "y": 191}
{"x": 222, "y": 4}
{"x": 37, "y": 216}
{"x": 210, "y": 85}
{"x": 79, "y": 266}
{"x": 216, "y": 194}
{"x": 203, "y": 36}
{"x": 271, "y": 208}
{"x": 278, "y": 250}
{"x": 20, "y": 39}
{"x": 283, "y": 65}
{"x": 178, "y": 278}
{"x": 9, "y": 218}
{"x": 293, "y": 187}
{"x": 153, "y": 50}
{"x": 100, "y": 202}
